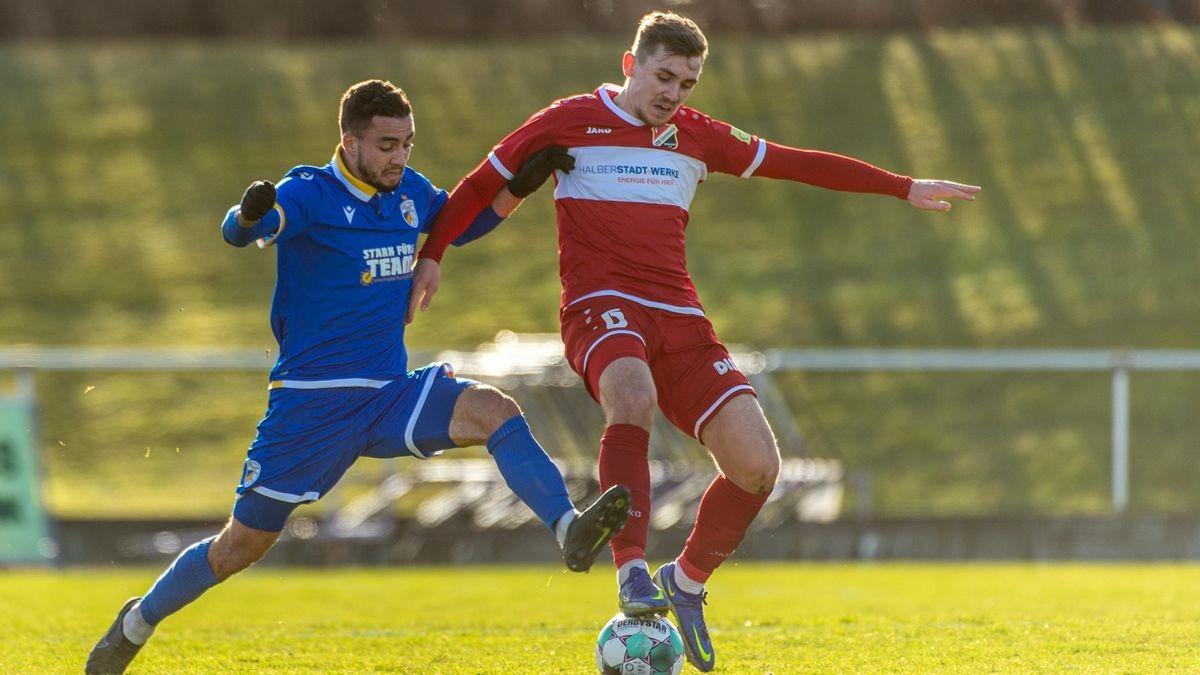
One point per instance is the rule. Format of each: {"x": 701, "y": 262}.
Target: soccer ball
{"x": 647, "y": 645}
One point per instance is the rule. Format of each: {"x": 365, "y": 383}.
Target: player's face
{"x": 379, "y": 156}
{"x": 658, "y": 85}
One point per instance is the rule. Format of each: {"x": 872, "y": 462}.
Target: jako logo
{"x": 724, "y": 366}
{"x": 599, "y": 130}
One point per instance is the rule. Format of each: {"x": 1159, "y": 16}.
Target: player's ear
{"x": 349, "y": 143}
{"x": 627, "y": 62}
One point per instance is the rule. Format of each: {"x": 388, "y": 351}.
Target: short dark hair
{"x": 677, "y": 35}
{"x": 365, "y": 100}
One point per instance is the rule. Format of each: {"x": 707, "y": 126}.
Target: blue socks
{"x": 184, "y": 581}
{"x": 529, "y": 472}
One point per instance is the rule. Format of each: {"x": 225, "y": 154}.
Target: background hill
{"x": 119, "y": 160}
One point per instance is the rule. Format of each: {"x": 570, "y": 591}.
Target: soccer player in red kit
{"x": 633, "y": 326}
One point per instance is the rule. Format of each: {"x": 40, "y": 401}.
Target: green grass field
{"x": 837, "y": 618}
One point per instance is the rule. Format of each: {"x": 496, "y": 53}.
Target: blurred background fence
{"x": 388, "y": 511}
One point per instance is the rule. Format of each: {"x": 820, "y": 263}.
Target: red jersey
{"x": 623, "y": 210}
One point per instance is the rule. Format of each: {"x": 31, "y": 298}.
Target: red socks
{"x": 624, "y": 451}
{"x": 725, "y": 514}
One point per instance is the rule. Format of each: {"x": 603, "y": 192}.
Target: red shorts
{"x": 692, "y": 370}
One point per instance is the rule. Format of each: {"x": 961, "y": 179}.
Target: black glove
{"x": 538, "y": 168}
{"x": 258, "y": 200}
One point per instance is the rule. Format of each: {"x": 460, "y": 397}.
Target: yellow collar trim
{"x": 360, "y": 189}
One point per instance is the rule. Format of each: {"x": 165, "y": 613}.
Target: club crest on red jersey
{"x": 665, "y": 137}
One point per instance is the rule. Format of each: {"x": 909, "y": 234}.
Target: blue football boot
{"x": 639, "y": 596}
{"x": 688, "y": 609}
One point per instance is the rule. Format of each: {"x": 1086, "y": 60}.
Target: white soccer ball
{"x": 647, "y": 645}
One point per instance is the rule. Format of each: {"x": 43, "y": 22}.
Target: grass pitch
{"x": 765, "y": 618}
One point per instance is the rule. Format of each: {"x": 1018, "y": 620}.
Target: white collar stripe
{"x": 606, "y": 92}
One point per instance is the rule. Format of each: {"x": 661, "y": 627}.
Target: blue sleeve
{"x": 485, "y": 222}
{"x": 297, "y": 201}
{"x": 239, "y": 236}
{"x": 288, "y": 218}
{"x": 435, "y": 207}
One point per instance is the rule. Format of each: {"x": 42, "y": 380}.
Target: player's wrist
{"x": 244, "y": 222}
{"x": 432, "y": 253}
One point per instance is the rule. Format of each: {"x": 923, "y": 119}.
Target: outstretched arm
{"x": 837, "y": 172}
{"x": 242, "y": 225}
{"x": 929, "y": 194}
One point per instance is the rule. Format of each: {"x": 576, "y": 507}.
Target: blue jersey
{"x": 344, "y": 263}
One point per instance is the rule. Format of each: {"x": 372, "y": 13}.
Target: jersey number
{"x": 613, "y": 318}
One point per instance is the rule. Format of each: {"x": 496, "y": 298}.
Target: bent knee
{"x": 223, "y": 568}
{"x": 631, "y": 405}
{"x": 238, "y": 547}
{"x": 226, "y": 563}
{"x": 492, "y": 407}
{"x": 757, "y": 474}
{"x": 479, "y": 413}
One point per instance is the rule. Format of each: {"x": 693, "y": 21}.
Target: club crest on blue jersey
{"x": 665, "y": 137}
{"x": 250, "y": 473}
{"x": 409, "y": 210}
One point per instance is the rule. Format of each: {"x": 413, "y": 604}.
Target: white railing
{"x": 1120, "y": 363}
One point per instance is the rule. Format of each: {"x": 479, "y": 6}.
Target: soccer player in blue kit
{"x": 346, "y": 235}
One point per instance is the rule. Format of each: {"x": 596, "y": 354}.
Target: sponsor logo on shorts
{"x": 725, "y": 365}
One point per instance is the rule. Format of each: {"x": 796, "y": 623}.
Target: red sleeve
{"x": 473, "y": 194}
{"x": 731, "y": 150}
{"x": 827, "y": 170}
{"x": 477, "y": 190}
{"x": 536, "y": 133}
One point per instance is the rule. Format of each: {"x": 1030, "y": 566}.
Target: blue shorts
{"x": 310, "y": 437}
